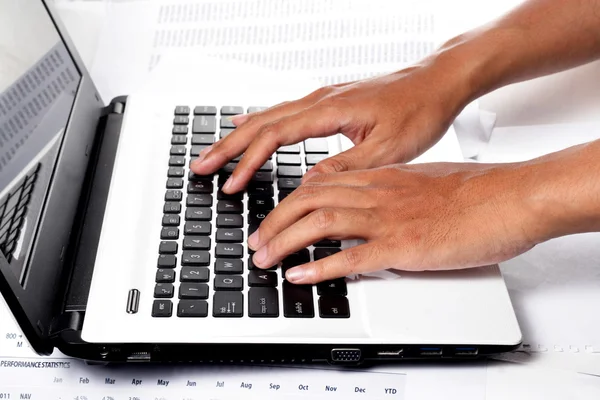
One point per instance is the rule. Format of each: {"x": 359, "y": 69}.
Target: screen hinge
{"x": 116, "y": 106}
{"x": 67, "y": 321}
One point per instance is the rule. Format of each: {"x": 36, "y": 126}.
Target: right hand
{"x": 390, "y": 119}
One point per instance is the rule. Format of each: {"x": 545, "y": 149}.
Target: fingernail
{"x": 309, "y": 174}
{"x": 227, "y": 186}
{"x": 295, "y": 274}
{"x": 260, "y": 256}
{"x": 253, "y": 240}
{"x": 238, "y": 119}
{"x": 202, "y": 156}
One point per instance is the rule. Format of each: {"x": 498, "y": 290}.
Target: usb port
{"x": 390, "y": 353}
{"x": 465, "y": 351}
{"x": 430, "y": 351}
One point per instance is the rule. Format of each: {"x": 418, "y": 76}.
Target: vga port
{"x": 345, "y": 355}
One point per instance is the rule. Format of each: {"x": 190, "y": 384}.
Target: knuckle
{"x": 352, "y": 258}
{"x": 305, "y": 192}
{"x": 324, "y": 218}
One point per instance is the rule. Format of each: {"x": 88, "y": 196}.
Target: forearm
{"x": 538, "y": 38}
{"x": 563, "y": 191}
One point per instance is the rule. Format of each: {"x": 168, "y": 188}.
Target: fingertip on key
{"x": 238, "y": 119}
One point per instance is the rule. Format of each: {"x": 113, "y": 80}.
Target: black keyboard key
{"x": 194, "y": 274}
{"x": 228, "y": 304}
{"x": 197, "y": 228}
{"x": 225, "y": 282}
{"x": 178, "y": 150}
{"x": 298, "y": 301}
{"x": 335, "y": 287}
{"x": 251, "y": 229}
{"x": 170, "y": 220}
{"x": 164, "y": 290}
{"x": 181, "y": 120}
{"x": 253, "y": 267}
{"x": 205, "y": 110}
{"x": 255, "y": 217}
{"x": 173, "y": 195}
{"x": 177, "y": 161}
{"x": 200, "y": 187}
{"x": 288, "y": 159}
{"x": 195, "y": 258}
{"x": 266, "y": 167}
{"x": 225, "y": 132}
{"x": 262, "y": 177}
{"x": 193, "y": 291}
{"x": 228, "y": 168}
{"x": 162, "y": 308}
{"x": 229, "y": 250}
{"x": 195, "y": 151}
{"x": 230, "y": 221}
{"x": 201, "y": 200}
{"x": 224, "y": 196}
{"x": 165, "y": 275}
{"x": 253, "y": 109}
{"x": 205, "y": 139}
{"x": 178, "y": 139}
{"x": 204, "y": 124}
{"x": 196, "y": 243}
{"x": 230, "y": 236}
{"x": 334, "y": 307}
{"x": 192, "y": 309}
{"x": 259, "y": 278}
{"x": 288, "y": 183}
{"x": 328, "y": 243}
{"x": 175, "y": 172}
{"x": 230, "y": 207}
{"x": 283, "y": 194}
{"x": 260, "y": 203}
{"x": 174, "y": 183}
{"x": 263, "y": 302}
{"x": 167, "y": 261}
{"x": 289, "y": 172}
{"x": 167, "y": 247}
{"x": 228, "y": 266}
{"x": 169, "y": 232}
{"x": 198, "y": 214}
{"x": 172, "y": 207}
{"x": 182, "y": 110}
{"x": 232, "y": 110}
{"x": 260, "y": 190}
{"x": 323, "y": 252}
{"x": 180, "y": 130}
{"x": 226, "y": 123}
{"x": 291, "y": 149}
{"x": 316, "y": 145}
{"x": 313, "y": 159}
{"x": 194, "y": 177}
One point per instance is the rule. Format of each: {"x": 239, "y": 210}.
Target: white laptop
{"x": 113, "y": 251}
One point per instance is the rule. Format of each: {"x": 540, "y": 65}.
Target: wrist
{"x": 562, "y": 192}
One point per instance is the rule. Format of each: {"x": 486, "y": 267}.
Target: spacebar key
{"x": 298, "y": 301}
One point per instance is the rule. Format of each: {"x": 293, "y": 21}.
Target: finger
{"x": 248, "y": 126}
{"x": 362, "y": 156}
{"x": 312, "y": 122}
{"x": 303, "y": 201}
{"x": 359, "y": 259}
{"x": 331, "y": 223}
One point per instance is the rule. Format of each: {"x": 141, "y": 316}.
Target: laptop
{"x": 112, "y": 250}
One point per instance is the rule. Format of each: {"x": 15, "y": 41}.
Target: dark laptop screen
{"x": 38, "y": 83}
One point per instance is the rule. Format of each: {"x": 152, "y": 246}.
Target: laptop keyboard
{"x": 198, "y": 217}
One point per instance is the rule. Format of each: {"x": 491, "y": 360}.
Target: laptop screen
{"x": 38, "y": 83}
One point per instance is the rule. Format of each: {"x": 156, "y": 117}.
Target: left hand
{"x": 413, "y": 217}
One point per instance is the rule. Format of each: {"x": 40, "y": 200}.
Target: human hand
{"x": 413, "y": 217}
{"x": 390, "y": 119}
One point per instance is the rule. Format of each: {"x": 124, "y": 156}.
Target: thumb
{"x": 361, "y": 156}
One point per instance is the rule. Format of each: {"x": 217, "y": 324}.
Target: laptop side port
{"x": 345, "y": 355}
{"x": 141, "y": 356}
{"x": 390, "y": 353}
{"x": 466, "y": 351}
{"x": 430, "y": 351}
